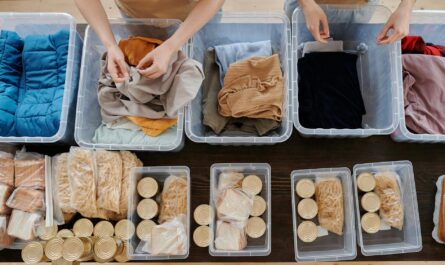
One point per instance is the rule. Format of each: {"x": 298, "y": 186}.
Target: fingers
{"x": 382, "y": 37}
{"x": 153, "y": 72}
{"x": 315, "y": 31}
{"x": 325, "y": 27}
{"x": 122, "y": 68}
{"x": 397, "y": 34}
{"x": 115, "y": 75}
{"x": 146, "y": 61}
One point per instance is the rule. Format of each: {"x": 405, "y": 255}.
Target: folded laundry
{"x": 253, "y": 88}
{"x": 135, "y": 48}
{"x": 316, "y": 46}
{"x": 152, "y": 127}
{"x": 211, "y": 116}
{"x": 227, "y": 54}
{"x": 416, "y": 44}
{"x": 329, "y": 91}
{"x": 424, "y": 93}
{"x": 150, "y": 98}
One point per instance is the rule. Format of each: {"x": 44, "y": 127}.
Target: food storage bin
{"x": 430, "y": 25}
{"x": 331, "y": 247}
{"x": 159, "y": 174}
{"x": 392, "y": 241}
{"x": 88, "y": 117}
{"x": 26, "y": 24}
{"x": 255, "y": 247}
{"x": 231, "y": 27}
{"x": 377, "y": 66}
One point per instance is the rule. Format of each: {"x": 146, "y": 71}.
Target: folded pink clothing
{"x": 424, "y": 93}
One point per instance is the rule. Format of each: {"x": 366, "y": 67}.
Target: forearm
{"x": 94, "y": 13}
{"x": 198, "y": 17}
{"x": 409, "y": 3}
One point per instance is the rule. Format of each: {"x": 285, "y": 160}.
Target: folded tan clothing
{"x": 27, "y": 200}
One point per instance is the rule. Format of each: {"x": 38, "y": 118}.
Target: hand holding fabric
{"x": 398, "y": 22}
{"x": 116, "y": 65}
{"x": 315, "y": 16}
{"x": 155, "y": 63}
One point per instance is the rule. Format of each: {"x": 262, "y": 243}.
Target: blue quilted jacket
{"x": 11, "y": 46}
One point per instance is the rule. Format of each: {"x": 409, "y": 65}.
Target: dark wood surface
{"x": 299, "y": 153}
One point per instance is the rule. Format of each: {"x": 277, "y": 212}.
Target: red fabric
{"x": 416, "y": 45}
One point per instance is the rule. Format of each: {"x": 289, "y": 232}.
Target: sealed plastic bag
{"x": 22, "y": 225}
{"x": 29, "y": 170}
{"x": 174, "y": 199}
{"x": 6, "y": 168}
{"x": 230, "y": 179}
{"x": 169, "y": 238}
{"x": 233, "y": 205}
{"x": 391, "y": 208}
{"x": 439, "y": 212}
{"x": 62, "y": 183}
{"x": 5, "y": 192}
{"x": 5, "y": 239}
{"x": 329, "y": 197}
{"x": 109, "y": 179}
{"x": 230, "y": 236}
{"x": 27, "y": 200}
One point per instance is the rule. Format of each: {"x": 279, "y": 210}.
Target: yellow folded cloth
{"x": 135, "y": 48}
{"x": 152, "y": 127}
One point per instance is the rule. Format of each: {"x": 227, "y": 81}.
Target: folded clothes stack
{"x": 243, "y": 90}
{"x": 32, "y": 81}
{"x": 424, "y": 85}
{"x": 143, "y": 111}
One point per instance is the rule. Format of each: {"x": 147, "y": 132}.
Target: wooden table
{"x": 300, "y": 153}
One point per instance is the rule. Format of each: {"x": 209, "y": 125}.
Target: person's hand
{"x": 116, "y": 64}
{"x": 156, "y": 63}
{"x": 315, "y": 16}
{"x": 398, "y": 22}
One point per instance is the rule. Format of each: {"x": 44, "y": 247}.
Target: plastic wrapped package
{"x": 81, "y": 172}
{"x": 329, "y": 197}
{"x": 61, "y": 179}
{"x": 5, "y": 239}
{"x": 230, "y": 179}
{"x": 29, "y": 170}
{"x": 22, "y": 224}
{"x": 169, "y": 238}
{"x": 6, "y": 168}
{"x": 230, "y": 236}
{"x": 27, "y": 200}
{"x": 391, "y": 208}
{"x": 174, "y": 199}
{"x": 5, "y": 192}
{"x": 439, "y": 212}
{"x": 109, "y": 178}
{"x": 234, "y": 205}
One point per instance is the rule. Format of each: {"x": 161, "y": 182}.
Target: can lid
{"x": 252, "y": 184}
{"x": 370, "y": 223}
{"x": 83, "y": 227}
{"x": 256, "y": 227}
{"x": 72, "y": 249}
{"x": 147, "y": 209}
{"x": 46, "y": 232}
{"x": 366, "y": 182}
{"x": 370, "y": 202}
{"x": 54, "y": 248}
{"x": 203, "y": 214}
{"x": 124, "y": 229}
{"x": 143, "y": 230}
{"x": 65, "y": 233}
{"x": 61, "y": 261}
{"x": 122, "y": 256}
{"x": 105, "y": 248}
{"x": 201, "y": 236}
{"x": 147, "y": 187}
{"x": 32, "y": 253}
{"x": 103, "y": 228}
{"x": 305, "y": 188}
{"x": 307, "y": 208}
{"x": 307, "y": 231}
{"x": 259, "y": 206}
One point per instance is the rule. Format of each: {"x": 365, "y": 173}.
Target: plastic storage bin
{"x": 431, "y": 26}
{"x": 331, "y": 247}
{"x": 42, "y": 24}
{"x": 392, "y": 241}
{"x": 255, "y": 247}
{"x": 229, "y": 28}
{"x": 159, "y": 174}
{"x": 377, "y": 66}
{"x": 88, "y": 117}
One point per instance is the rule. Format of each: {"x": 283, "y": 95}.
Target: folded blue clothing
{"x": 227, "y": 54}
{"x": 11, "y": 46}
{"x": 42, "y": 84}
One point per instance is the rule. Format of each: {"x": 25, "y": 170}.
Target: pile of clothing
{"x": 141, "y": 110}
{"x": 243, "y": 90}
{"x": 32, "y": 81}
{"x": 423, "y": 85}
{"x": 329, "y": 92}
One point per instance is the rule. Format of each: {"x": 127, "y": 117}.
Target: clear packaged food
{"x": 109, "y": 179}
{"x": 22, "y": 224}
{"x": 29, "y": 170}
{"x": 173, "y": 198}
{"x": 27, "y": 200}
{"x": 6, "y": 168}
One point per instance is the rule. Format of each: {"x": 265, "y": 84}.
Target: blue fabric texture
{"x": 42, "y": 84}
{"x": 230, "y": 53}
{"x": 105, "y": 135}
{"x": 11, "y": 46}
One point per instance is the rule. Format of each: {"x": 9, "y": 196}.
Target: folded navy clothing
{"x": 329, "y": 91}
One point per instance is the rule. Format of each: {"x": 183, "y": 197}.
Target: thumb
{"x": 123, "y": 67}
{"x": 147, "y": 60}
{"x": 384, "y": 31}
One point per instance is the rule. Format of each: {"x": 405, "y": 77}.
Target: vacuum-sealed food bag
{"x": 439, "y": 212}
{"x": 29, "y": 170}
{"x": 6, "y": 168}
{"x": 22, "y": 224}
{"x": 109, "y": 179}
{"x": 5, "y": 239}
{"x": 174, "y": 199}
{"x": 27, "y": 200}
{"x": 234, "y": 205}
{"x": 5, "y": 192}
{"x": 230, "y": 236}
{"x": 391, "y": 208}
{"x": 329, "y": 197}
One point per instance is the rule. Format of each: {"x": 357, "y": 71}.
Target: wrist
{"x": 304, "y": 3}
{"x": 408, "y": 3}
{"x": 172, "y": 45}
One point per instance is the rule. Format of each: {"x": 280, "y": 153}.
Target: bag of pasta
{"x": 174, "y": 199}
{"x": 329, "y": 197}
{"x": 391, "y": 208}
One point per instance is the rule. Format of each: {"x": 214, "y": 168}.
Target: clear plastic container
{"x": 430, "y": 25}
{"x": 88, "y": 117}
{"x": 43, "y": 24}
{"x": 159, "y": 174}
{"x": 255, "y": 247}
{"x": 377, "y": 67}
{"x": 231, "y": 27}
{"x": 331, "y": 247}
{"x": 393, "y": 241}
